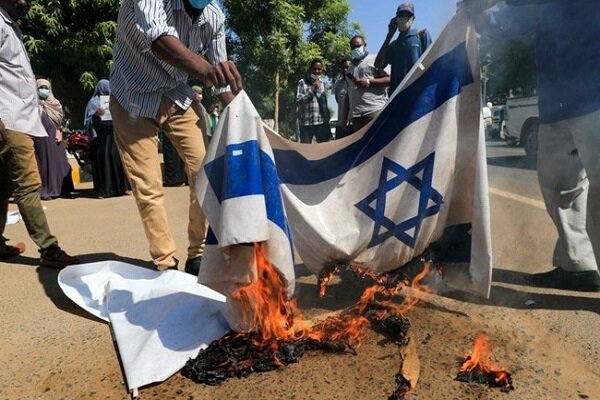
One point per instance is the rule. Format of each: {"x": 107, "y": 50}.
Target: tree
{"x": 274, "y": 47}
{"x": 70, "y": 42}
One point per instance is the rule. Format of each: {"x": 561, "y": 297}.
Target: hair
{"x": 357, "y": 37}
{"x": 345, "y": 59}
{"x": 316, "y": 60}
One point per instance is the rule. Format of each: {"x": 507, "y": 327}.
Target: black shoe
{"x": 583, "y": 281}
{"x": 55, "y": 257}
{"x": 192, "y": 265}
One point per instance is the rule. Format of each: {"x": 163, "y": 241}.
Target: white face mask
{"x": 315, "y": 76}
{"x": 404, "y": 24}
{"x": 358, "y": 52}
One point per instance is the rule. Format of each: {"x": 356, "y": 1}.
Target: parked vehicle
{"x": 521, "y": 123}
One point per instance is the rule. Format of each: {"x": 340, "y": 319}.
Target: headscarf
{"x": 51, "y": 105}
{"x": 102, "y": 89}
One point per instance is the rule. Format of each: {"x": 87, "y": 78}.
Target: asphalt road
{"x": 50, "y": 349}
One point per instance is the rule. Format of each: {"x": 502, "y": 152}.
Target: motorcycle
{"x": 78, "y": 144}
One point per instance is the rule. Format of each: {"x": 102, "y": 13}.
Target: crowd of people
{"x": 365, "y": 80}
{"x": 148, "y": 97}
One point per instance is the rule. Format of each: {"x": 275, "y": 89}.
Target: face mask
{"x": 43, "y": 93}
{"x": 404, "y": 23}
{"x": 315, "y": 77}
{"x": 358, "y": 52}
{"x": 199, "y": 4}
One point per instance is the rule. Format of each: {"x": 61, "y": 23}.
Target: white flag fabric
{"x": 413, "y": 179}
{"x": 159, "y": 319}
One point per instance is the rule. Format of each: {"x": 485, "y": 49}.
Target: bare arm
{"x": 172, "y": 51}
{"x": 382, "y": 54}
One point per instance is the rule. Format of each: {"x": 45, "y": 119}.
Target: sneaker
{"x": 55, "y": 257}
{"x": 192, "y": 265}
{"x": 583, "y": 281}
{"x": 9, "y": 251}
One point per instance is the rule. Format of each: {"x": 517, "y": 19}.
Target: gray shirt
{"x": 139, "y": 79}
{"x": 365, "y": 101}
{"x": 19, "y": 104}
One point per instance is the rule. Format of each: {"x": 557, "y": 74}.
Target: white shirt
{"x": 139, "y": 79}
{"x": 19, "y": 104}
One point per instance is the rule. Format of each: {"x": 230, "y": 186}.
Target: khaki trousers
{"x": 137, "y": 140}
{"x": 19, "y": 173}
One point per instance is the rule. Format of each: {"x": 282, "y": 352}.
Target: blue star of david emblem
{"x": 384, "y": 227}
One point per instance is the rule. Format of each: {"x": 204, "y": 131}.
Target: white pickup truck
{"x": 521, "y": 123}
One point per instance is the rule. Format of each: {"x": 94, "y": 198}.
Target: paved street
{"x": 50, "y": 349}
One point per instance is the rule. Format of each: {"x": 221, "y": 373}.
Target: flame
{"x": 480, "y": 358}
{"x": 324, "y": 278}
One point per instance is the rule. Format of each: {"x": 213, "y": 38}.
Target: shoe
{"x": 9, "y": 251}
{"x": 172, "y": 267}
{"x": 55, "y": 257}
{"x": 192, "y": 265}
{"x": 583, "y": 281}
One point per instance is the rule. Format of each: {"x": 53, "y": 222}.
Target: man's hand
{"x": 100, "y": 111}
{"x": 2, "y": 131}
{"x": 316, "y": 85}
{"x": 392, "y": 26}
{"x": 223, "y": 74}
{"x": 362, "y": 83}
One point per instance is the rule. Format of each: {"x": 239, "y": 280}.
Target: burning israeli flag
{"x": 413, "y": 179}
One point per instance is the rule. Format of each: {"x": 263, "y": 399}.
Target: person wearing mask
{"x": 342, "y": 127}
{"x": 107, "y": 170}
{"x": 311, "y": 106}
{"x": 402, "y": 53}
{"x": 20, "y": 123}
{"x": 367, "y": 85}
{"x": 50, "y": 151}
{"x": 158, "y": 46}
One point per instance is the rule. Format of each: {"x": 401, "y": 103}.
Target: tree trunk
{"x": 276, "y": 111}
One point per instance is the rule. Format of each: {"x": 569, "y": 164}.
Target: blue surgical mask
{"x": 199, "y": 4}
{"x": 358, "y": 53}
{"x": 43, "y": 93}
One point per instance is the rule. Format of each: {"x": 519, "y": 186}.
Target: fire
{"x": 478, "y": 362}
{"x": 276, "y": 318}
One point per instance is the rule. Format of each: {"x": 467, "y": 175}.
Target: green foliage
{"x": 273, "y": 41}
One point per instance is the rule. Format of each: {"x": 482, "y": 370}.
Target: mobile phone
{"x": 350, "y": 76}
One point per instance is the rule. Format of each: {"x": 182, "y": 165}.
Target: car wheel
{"x": 530, "y": 143}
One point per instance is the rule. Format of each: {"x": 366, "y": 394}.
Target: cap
{"x": 406, "y": 7}
{"x": 197, "y": 89}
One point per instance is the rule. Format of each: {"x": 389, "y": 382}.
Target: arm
{"x": 381, "y": 59}
{"x": 163, "y": 41}
{"x": 382, "y": 81}
{"x": 304, "y": 93}
{"x": 2, "y": 131}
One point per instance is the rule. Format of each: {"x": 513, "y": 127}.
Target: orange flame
{"x": 480, "y": 357}
{"x": 277, "y": 318}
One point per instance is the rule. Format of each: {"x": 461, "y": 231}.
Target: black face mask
{"x": 16, "y": 9}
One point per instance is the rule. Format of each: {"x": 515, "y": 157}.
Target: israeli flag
{"x": 414, "y": 179}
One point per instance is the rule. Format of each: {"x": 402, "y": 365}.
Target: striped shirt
{"x": 19, "y": 104}
{"x": 138, "y": 78}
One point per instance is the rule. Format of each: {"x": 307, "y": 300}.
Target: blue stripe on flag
{"x": 439, "y": 83}
{"x": 246, "y": 170}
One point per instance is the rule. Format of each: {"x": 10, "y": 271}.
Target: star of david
{"x": 430, "y": 201}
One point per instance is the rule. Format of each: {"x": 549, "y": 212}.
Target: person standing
{"x": 107, "y": 169}
{"x": 568, "y": 88}
{"x": 158, "y": 45}
{"x": 367, "y": 87}
{"x": 342, "y": 127}
{"x": 311, "y": 106}
{"x": 408, "y": 47}
{"x": 50, "y": 151}
{"x": 20, "y": 122}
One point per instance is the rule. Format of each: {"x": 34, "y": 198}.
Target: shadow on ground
{"x": 48, "y": 277}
